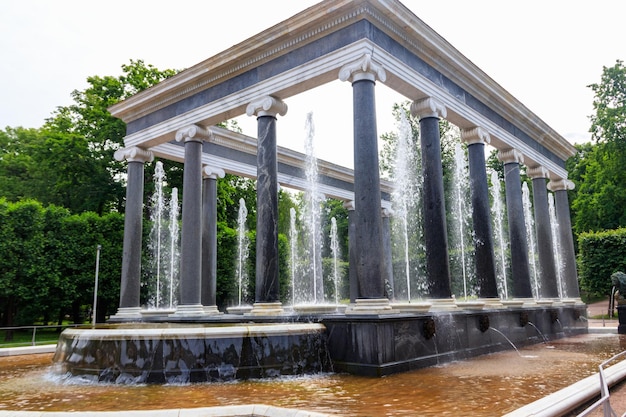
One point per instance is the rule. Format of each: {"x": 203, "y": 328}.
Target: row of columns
{"x": 369, "y": 250}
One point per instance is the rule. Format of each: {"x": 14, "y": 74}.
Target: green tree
{"x": 18, "y": 165}
{"x": 598, "y": 169}
{"x": 93, "y": 135}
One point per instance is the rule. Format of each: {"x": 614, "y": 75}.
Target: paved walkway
{"x": 597, "y": 309}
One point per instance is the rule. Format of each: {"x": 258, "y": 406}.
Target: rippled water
{"x": 485, "y": 386}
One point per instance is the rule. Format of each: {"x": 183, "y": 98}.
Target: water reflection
{"x": 484, "y": 386}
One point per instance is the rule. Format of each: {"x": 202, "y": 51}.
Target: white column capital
{"x": 134, "y": 154}
{"x": 364, "y": 68}
{"x": 562, "y": 184}
{"x": 212, "y": 172}
{"x": 193, "y": 133}
{"x": 537, "y": 171}
{"x": 428, "y": 107}
{"x": 386, "y": 212}
{"x": 266, "y": 106}
{"x": 475, "y": 135}
{"x": 510, "y": 156}
{"x": 349, "y": 205}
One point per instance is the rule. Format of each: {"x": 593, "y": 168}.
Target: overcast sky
{"x": 544, "y": 52}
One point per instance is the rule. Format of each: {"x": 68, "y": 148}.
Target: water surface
{"x": 485, "y": 386}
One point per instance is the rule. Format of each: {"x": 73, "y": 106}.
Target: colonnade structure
{"x": 361, "y": 42}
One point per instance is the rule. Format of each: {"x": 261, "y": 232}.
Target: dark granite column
{"x": 267, "y": 300}
{"x": 387, "y": 255}
{"x": 476, "y": 139}
{"x": 511, "y": 159}
{"x": 209, "y": 238}
{"x": 352, "y": 259}
{"x": 129, "y": 308}
{"x": 429, "y": 111}
{"x": 190, "y": 285}
{"x": 568, "y": 256}
{"x": 543, "y": 231}
{"x": 369, "y": 242}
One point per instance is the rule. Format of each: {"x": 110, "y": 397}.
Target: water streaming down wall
{"x": 185, "y": 354}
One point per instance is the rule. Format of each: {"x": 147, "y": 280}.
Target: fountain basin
{"x": 384, "y": 344}
{"x": 162, "y": 353}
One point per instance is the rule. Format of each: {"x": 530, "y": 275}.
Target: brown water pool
{"x": 490, "y": 385}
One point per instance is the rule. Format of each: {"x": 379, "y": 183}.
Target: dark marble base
{"x": 383, "y": 345}
{"x": 226, "y": 347}
{"x": 186, "y": 354}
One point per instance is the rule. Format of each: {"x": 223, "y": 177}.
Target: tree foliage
{"x": 69, "y": 161}
{"x": 599, "y": 203}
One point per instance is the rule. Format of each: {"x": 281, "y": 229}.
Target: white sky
{"x": 544, "y": 52}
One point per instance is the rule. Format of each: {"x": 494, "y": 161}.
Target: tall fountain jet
{"x": 242, "y": 253}
{"x": 556, "y": 245}
{"x": 461, "y": 215}
{"x": 163, "y": 241}
{"x": 312, "y": 210}
{"x": 532, "y": 245}
{"x": 406, "y": 203}
{"x": 498, "y": 213}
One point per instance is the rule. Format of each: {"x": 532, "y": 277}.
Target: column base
{"x": 492, "y": 302}
{"x": 188, "y": 310}
{"x": 239, "y": 310}
{"x": 266, "y": 309}
{"x": 572, "y": 301}
{"x": 519, "y": 302}
{"x": 546, "y": 302}
{"x": 471, "y": 305}
{"x": 413, "y": 307}
{"x": 442, "y": 304}
{"x": 370, "y": 306}
{"x": 211, "y": 311}
{"x": 127, "y": 314}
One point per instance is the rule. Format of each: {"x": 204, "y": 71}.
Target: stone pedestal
{"x": 621, "y": 315}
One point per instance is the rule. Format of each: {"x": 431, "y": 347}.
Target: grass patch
{"x": 24, "y": 337}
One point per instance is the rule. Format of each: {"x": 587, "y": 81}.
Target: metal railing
{"x": 34, "y": 329}
{"x": 605, "y": 394}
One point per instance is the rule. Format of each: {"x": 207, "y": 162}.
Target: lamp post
{"x": 95, "y": 290}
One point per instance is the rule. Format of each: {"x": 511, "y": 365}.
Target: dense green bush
{"x": 47, "y": 263}
{"x": 600, "y": 254}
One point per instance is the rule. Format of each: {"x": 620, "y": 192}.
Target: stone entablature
{"x": 310, "y": 48}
